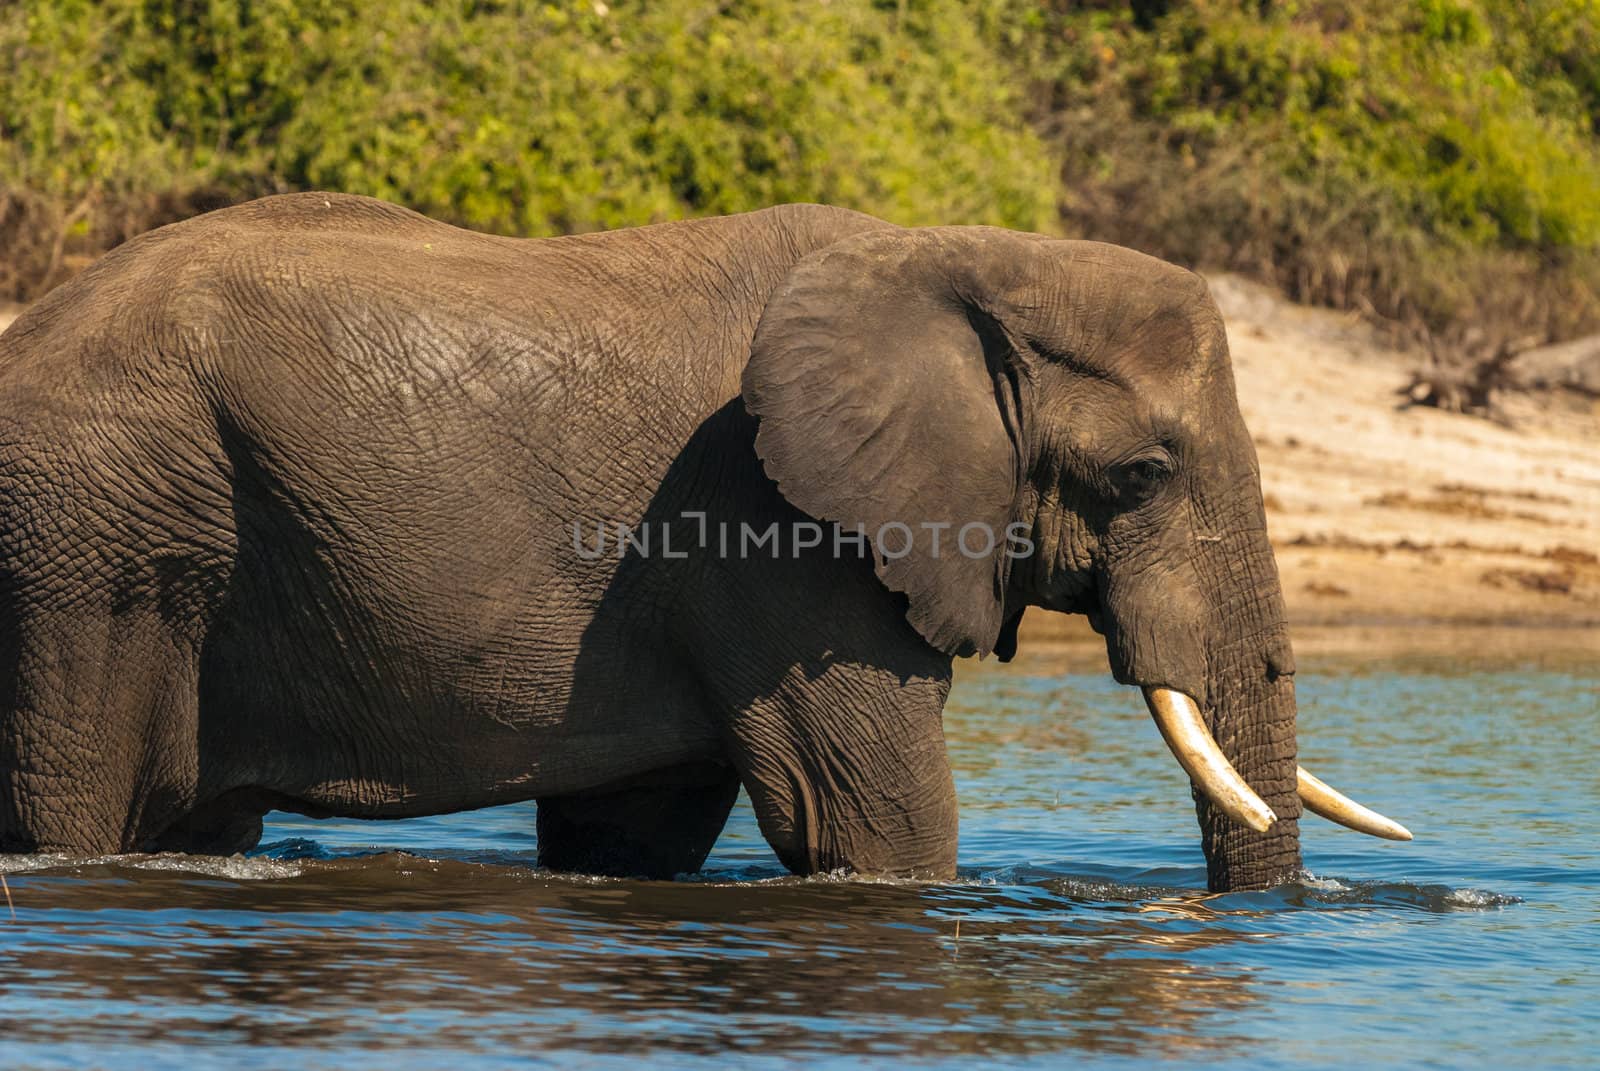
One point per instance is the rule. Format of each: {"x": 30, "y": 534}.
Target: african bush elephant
{"x": 317, "y": 504}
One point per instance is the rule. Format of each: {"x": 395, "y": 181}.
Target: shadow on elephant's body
{"x": 737, "y": 628}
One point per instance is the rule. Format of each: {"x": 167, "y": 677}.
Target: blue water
{"x": 1079, "y": 932}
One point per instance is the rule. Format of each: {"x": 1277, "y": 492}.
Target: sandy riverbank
{"x": 1390, "y": 516}
{"x": 1384, "y": 514}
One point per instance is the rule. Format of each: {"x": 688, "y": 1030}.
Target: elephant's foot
{"x": 656, "y": 826}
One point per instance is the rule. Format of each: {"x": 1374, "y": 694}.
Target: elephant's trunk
{"x": 1199, "y": 625}
{"x": 1251, "y": 710}
{"x": 1255, "y": 725}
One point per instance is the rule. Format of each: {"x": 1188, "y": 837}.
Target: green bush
{"x": 522, "y": 118}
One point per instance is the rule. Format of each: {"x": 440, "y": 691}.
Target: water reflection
{"x": 609, "y": 966}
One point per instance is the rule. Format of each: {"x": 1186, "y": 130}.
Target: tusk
{"x": 1192, "y": 745}
{"x": 1335, "y": 807}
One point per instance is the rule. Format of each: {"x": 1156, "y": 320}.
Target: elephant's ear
{"x": 888, "y": 398}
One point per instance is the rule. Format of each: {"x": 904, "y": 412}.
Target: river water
{"x": 1078, "y": 932}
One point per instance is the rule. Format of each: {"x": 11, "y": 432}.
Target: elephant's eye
{"x": 1142, "y": 477}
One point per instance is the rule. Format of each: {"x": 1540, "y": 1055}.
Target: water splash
{"x": 233, "y": 867}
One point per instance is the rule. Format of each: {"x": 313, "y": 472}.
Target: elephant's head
{"x": 1071, "y": 405}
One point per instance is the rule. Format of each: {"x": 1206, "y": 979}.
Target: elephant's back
{"x": 670, "y": 302}
{"x": 344, "y": 342}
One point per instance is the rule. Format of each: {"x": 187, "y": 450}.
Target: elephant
{"x": 316, "y": 504}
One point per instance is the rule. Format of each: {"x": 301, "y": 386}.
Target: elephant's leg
{"x": 847, "y": 770}
{"x": 99, "y": 715}
{"x": 655, "y": 826}
{"x": 222, "y": 827}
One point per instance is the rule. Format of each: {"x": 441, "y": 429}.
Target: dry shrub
{"x": 1545, "y": 582}
{"x": 32, "y": 241}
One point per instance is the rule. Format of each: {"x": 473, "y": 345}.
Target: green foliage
{"x": 519, "y": 117}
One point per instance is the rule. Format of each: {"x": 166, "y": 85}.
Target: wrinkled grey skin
{"x": 286, "y": 507}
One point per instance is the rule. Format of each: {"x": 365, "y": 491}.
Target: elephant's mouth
{"x": 1178, "y": 717}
